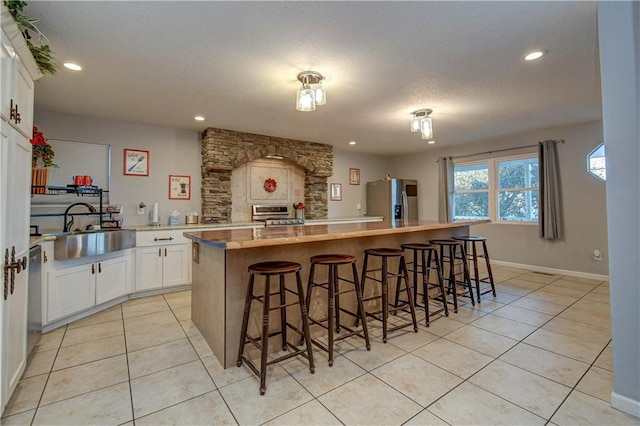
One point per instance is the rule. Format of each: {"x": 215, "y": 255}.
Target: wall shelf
{"x": 109, "y": 216}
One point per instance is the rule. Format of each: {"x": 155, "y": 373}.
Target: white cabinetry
{"x": 74, "y": 286}
{"x": 162, "y": 259}
{"x": 17, "y": 75}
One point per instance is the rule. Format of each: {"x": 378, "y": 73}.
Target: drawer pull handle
{"x": 163, "y": 239}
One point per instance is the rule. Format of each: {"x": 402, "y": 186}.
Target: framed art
{"x": 136, "y": 162}
{"x": 179, "y": 187}
{"x": 354, "y": 176}
{"x": 336, "y": 192}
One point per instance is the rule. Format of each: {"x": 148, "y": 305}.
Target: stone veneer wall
{"x": 225, "y": 150}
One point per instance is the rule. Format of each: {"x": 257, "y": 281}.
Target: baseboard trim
{"x": 625, "y": 404}
{"x": 552, "y": 270}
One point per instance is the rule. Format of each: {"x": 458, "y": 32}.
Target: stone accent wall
{"x": 225, "y": 150}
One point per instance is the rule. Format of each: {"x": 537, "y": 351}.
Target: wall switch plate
{"x": 359, "y": 206}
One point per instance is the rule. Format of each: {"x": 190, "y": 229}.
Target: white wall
{"x": 583, "y": 199}
{"x": 619, "y": 28}
{"x": 171, "y": 151}
{"x": 372, "y": 167}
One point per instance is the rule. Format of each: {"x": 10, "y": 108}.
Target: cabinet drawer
{"x": 157, "y": 238}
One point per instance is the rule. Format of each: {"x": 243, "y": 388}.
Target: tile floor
{"x": 539, "y": 353}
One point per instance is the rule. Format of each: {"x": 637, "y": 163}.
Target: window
{"x": 501, "y": 189}
{"x": 596, "y": 164}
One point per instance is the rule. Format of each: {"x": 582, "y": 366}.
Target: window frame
{"x": 494, "y": 186}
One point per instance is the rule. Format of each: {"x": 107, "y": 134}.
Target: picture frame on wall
{"x": 179, "y": 187}
{"x": 136, "y": 162}
{"x": 354, "y": 176}
{"x": 335, "y": 192}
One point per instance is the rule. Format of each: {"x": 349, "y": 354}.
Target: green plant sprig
{"x": 41, "y": 53}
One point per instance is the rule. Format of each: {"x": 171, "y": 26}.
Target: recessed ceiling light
{"x": 431, "y": 142}
{"x": 352, "y": 142}
{"x": 534, "y": 55}
{"x": 198, "y": 118}
{"x": 72, "y": 66}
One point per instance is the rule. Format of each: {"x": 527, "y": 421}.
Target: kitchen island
{"x": 221, "y": 258}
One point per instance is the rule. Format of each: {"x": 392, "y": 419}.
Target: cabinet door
{"x": 7, "y": 55}
{"x": 14, "y": 335}
{"x": 23, "y": 99}
{"x": 70, "y": 290}
{"x": 176, "y": 268}
{"x": 18, "y": 187}
{"x": 148, "y": 268}
{"x": 15, "y": 166}
{"x": 113, "y": 279}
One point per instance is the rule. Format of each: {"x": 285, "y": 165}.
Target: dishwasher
{"x": 34, "y": 309}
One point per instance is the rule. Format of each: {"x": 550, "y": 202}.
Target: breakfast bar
{"x": 221, "y": 258}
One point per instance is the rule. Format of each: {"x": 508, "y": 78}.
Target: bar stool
{"x": 332, "y": 285}
{"x": 425, "y": 259}
{"x": 473, "y": 256}
{"x": 454, "y": 256}
{"x": 384, "y": 254}
{"x": 269, "y": 269}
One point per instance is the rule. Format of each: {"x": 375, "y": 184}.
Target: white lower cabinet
{"x": 163, "y": 266}
{"x": 71, "y": 289}
{"x": 163, "y": 259}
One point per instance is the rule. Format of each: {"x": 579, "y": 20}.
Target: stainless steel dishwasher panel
{"x": 34, "y": 313}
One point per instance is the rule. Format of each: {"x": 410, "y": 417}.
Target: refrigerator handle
{"x": 405, "y": 206}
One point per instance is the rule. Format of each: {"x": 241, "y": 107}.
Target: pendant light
{"x": 311, "y": 93}
{"x": 421, "y": 122}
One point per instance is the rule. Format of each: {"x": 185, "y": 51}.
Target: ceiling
{"x": 236, "y": 63}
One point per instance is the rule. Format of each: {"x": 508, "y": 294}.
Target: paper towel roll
{"x": 155, "y": 218}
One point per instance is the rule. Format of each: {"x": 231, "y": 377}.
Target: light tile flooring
{"x": 540, "y": 352}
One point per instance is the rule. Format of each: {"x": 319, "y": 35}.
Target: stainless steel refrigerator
{"x": 393, "y": 199}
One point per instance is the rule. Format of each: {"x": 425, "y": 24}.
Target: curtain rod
{"x": 503, "y": 149}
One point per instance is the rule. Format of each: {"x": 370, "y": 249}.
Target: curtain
{"x": 445, "y": 189}
{"x": 550, "y": 213}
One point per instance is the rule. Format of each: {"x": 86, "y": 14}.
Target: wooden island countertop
{"x": 221, "y": 258}
{"x": 231, "y": 239}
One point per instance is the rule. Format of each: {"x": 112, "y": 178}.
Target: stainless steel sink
{"x": 76, "y": 244}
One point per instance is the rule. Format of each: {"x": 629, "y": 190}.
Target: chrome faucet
{"x": 67, "y": 225}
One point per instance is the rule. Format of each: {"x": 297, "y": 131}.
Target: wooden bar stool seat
{"x": 473, "y": 256}
{"x": 425, "y": 259}
{"x": 332, "y": 321}
{"x": 452, "y": 254}
{"x": 269, "y": 269}
{"x": 402, "y": 275}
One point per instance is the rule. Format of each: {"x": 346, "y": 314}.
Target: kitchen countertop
{"x": 35, "y": 240}
{"x": 282, "y": 235}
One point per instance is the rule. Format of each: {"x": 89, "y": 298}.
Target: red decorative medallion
{"x": 270, "y": 185}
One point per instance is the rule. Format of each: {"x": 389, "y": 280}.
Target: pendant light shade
{"x": 426, "y": 128}
{"x": 415, "y": 124}
{"x": 311, "y": 93}
{"x": 305, "y": 101}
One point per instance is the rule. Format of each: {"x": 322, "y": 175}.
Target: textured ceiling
{"x": 236, "y": 63}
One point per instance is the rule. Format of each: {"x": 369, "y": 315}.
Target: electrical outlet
{"x": 141, "y": 208}
{"x": 359, "y": 206}
{"x": 597, "y": 255}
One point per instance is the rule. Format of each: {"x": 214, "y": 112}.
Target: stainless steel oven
{"x": 274, "y": 215}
